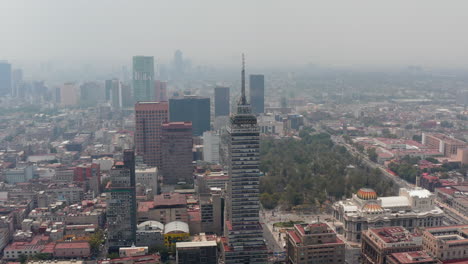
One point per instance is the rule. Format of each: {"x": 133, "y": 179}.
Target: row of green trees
{"x": 311, "y": 171}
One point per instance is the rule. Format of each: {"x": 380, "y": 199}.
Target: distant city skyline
{"x": 426, "y": 33}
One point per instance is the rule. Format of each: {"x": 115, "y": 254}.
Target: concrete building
{"x": 90, "y": 174}
{"x": 202, "y": 252}
{"x": 150, "y": 233}
{"x": 193, "y": 109}
{"x": 257, "y": 93}
{"x": 5, "y": 78}
{"x": 412, "y": 257}
{"x": 378, "y": 243}
{"x": 455, "y": 197}
{"x": 121, "y": 203}
{"x": 72, "y": 250}
{"x": 149, "y": 117}
{"x": 211, "y": 212}
{"x": 445, "y": 144}
{"x": 211, "y": 141}
{"x": 243, "y": 241}
{"x": 412, "y": 208}
{"x": 176, "y": 148}
{"x": 165, "y": 208}
{"x": 221, "y": 101}
{"x": 447, "y": 243}
{"x": 147, "y": 177}
{"x": 143, "y": 78}
{"x": 314, "y": 243}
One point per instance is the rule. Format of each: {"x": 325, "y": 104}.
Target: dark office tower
{"x": 160, "y": 89}
{"x": 221, "y": 95}
{"x": 257, "y": 93}
{"x": 91, "y": 93}
{"x": 143, "y": 78}
{"x": 121, "y": 203}
{"x": 193, "y": 109}
{"x": 177, "y": 154}
{"x": 149, "y": 117}
{"x": 243, "y": 242}
{"x": 5, "y": 78}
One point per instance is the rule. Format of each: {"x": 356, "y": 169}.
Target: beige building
{"x": 314, "y": 243}
{"x": 446, "y": 242}
{"x": 377, "y": 243}
{"x": 165, "y": 208}
{"x": 69, "y": 94}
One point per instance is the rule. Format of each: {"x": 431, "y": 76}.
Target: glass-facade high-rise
{"x": 193, "y": 109}
{"x": 143, "y": 78}
{"x": 257, "y": 93}
{"x": 243, "y": 242}
{"x": 221, "y": 97}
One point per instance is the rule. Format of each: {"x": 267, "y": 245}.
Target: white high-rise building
{"x": 211, "y": 146}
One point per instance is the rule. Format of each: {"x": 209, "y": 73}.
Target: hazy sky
{"x": 348, "y": 32}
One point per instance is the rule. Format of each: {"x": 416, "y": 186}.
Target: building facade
{"x": 377, "y": 243}
{"x": 447, "y": 243}
{"x": 243, "y": 242}
{"x": 314, "y": 243}
{"x": 257, "y": 93}
{"x": 177, "y": 143}
{"x": 221, "y": 101}
{"x": 412, "y": 208}
{"x": 211, "y": 146}
{"x": 121, "y": 203}
{"x": 149, "y": 117}
{"x": 203, "y": 252}
{"x": 143, "y": 78}
{"x": 193, "y": 109}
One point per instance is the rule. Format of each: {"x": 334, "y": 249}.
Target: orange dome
{"x": 366, "y": 194}
{"x": 372, "y": 208}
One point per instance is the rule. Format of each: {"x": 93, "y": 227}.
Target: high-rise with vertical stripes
{"x": 243, "y": 241}
{"x": 143, "y": 78}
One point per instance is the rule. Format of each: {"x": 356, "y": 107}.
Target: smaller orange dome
{"x": 372, "y": 208}
{"x": 366, "y": 194}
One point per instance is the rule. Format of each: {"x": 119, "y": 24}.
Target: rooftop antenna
{"x": 243, "y": 99}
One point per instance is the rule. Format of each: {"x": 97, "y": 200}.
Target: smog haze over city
{"x": 233, "y": 132}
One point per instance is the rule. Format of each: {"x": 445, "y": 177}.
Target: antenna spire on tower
{"x": 243, "y": 99}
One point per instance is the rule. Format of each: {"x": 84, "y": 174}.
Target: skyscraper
{"x": 114, "y": 93}
{"x": 243, "y": 242}
{"x": 160, "y": 89}
{"x": 193, "y": 109}
{"x": 121, "y": 203}
{"x": 143, "y": 78}
{"x": 177, "y": 155}
{"x": 149, "y": 117}
{"x": 5, "y": 78}
{"x": 221, "y": 95}
{"x": 257, "y": 93}
{"x": 69, "y": 94}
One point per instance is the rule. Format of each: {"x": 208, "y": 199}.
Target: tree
{"x": 371, "y": 152}
{"x": 96, "y": 241}
{"x": 446, "y": 124}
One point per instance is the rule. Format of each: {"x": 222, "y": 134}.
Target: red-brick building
{"x": 177, "y": 154}
{"x": 149, "y": 117}
{"x": 72, "y": 250}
